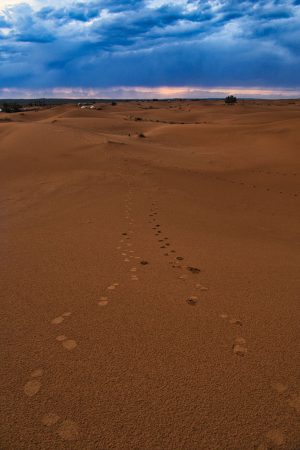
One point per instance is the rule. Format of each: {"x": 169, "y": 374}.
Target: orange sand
{"x": 110, "y": 336}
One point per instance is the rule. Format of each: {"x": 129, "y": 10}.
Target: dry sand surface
{"x": 150, "y": 285}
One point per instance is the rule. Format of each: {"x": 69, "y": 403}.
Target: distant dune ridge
{"x": 150, "y": 276}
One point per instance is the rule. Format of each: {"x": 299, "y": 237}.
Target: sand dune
{"x": 150, "y": 277}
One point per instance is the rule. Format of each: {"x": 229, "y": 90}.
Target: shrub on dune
{"x": 230, "y": 100}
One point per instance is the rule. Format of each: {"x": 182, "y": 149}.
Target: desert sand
{"x": 150, "y": 277}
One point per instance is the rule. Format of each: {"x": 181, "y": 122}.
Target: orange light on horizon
{"x": 188, "y": 90}
{"x": 148, "y": 92}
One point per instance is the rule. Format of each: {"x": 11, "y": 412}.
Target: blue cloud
{"x": 101, "y": 43}
{"x": 4, "y": 23}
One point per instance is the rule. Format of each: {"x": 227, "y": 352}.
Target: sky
{"x": 149, "y": 48}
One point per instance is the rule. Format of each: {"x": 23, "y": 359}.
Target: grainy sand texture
{"x": 150, "y": 277}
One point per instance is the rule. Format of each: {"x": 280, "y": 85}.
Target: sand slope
{"x": 150, "y": 285}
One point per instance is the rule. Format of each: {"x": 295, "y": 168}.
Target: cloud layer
{"x": 105, "y": 44}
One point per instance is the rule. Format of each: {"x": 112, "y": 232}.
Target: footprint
{"x": 191, "y": 269}
{"x": 201, "y": 287}
{"x": 295, "y": 403}
{"x": 68, "y": 431}
{"x": 103, "y": 301}
{"x": 57, "y": 320}
{"x": 279, "y": 387}
{"x": 61, "y": 338}
{"x": 239, "y": 347}
{"x": 61, "y": 318}
{"x": 32, "y": 387}
{"x": 50, "y": 419}
{"x": 276, "y": 436}
{"x": 182, "y": 277}
{"x": 224, "y": 316}
{"x": 69, "y": 344}
{"x": 192, "y": 301}
{"x": 235, "y": 322}
{"x": 37, "y": 373}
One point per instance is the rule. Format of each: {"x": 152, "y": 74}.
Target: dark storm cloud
{"x": 150, "y": 43}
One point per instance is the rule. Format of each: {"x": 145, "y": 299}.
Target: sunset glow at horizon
{"x": 145, "y": 92}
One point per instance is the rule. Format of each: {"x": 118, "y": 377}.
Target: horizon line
{"x": 148, "y": 93}
{"x": 140, "y": 99}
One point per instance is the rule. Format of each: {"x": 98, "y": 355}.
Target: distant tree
{"x": 113, "y": 103}
{"x": 230, "y": 100}
{"x": 10, "y": 107}
{"x": 40, "y": 102}
{"x": 5, "y": 107}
